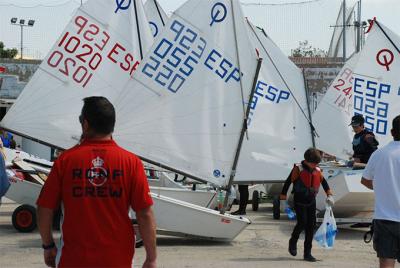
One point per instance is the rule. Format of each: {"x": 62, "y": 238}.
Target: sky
{"x": 286, "y": 24}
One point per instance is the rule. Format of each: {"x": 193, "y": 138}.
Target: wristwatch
{"x": 50, "y": 246}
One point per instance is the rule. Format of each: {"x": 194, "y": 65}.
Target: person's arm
{"x": 330, "y": 201}
{"x": 147, "y": 229}
{"x": 287, "y": 183}
{"x": 358, "y": 165}
{"x": 141, "y": 203}
{"x": 326, "y": 187}
{"x": 45, "y": 222}
{"x": 4, "y": 181}
{"x": 368, "y": 174}
{"x": 49, "y": 201}
{"x": 372, "y": 143}
{"x": 367, "y": 183}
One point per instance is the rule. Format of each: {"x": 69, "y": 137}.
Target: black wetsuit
{"x": 364, "y": 144}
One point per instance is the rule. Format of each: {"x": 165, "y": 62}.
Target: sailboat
{"x": 367, "y": 85}
{"x": 183, "y": 108}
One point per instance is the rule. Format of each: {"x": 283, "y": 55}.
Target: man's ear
{"x": 85, "y": 125}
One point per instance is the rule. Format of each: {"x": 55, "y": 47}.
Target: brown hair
{"x": 312, "y": 155}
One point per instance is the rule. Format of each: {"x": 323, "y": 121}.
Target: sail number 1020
{"x": 70, "y": 66}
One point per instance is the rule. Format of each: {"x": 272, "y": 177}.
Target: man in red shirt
{"x": 95, "y": 183}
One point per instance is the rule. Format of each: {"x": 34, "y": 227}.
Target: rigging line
{"x": 280, "y": 74}
{"x": 281, "y": 4}
{"x": 387, "y": 36}
{"x": 159, "y": 12}
{"x": 312, "y": 128}
{"x": 138, "y": 30}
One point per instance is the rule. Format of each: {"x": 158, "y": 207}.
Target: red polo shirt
{"x": 96, "y": 183}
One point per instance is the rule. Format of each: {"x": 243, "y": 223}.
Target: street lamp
{"x": 21, "y": 23}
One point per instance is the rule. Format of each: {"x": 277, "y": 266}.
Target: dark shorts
{"x": 387, "y": 239}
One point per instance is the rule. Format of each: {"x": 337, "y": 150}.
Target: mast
{"x": 344, "y": 31}
{"x": 312, "y": 128}
{"x": 138, "y": 30}
{"x": 246, "y": 113}
{"x": 241, "y": 138}
{"x": 359, "y": 27}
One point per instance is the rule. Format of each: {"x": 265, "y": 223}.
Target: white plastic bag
{"x": 326, "y": 233}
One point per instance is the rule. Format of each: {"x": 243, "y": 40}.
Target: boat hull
{"x": 351, "y": 197}
{"x": 198, "y": 197}
{"x": 181, "y": 217}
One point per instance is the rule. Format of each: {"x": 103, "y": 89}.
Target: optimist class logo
{"x": 122, "y": 4}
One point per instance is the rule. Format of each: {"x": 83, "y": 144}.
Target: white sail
{"x": 377, "y": 83}
{"x": 367, "y": 85}
{"x": 156, "y": 16}
{"x": 333, "y": 115}
{"x": 185, "y": 107}
{"x": 279, "y": 131}
{"x": 95, "y": 55}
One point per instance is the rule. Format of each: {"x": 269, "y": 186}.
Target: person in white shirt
{"x": 382, "y": 175}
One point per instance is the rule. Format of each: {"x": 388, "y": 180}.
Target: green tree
{"x": 306, "y": 50}
{"x": 8, "y": 53}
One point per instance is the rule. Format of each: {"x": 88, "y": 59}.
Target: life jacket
{"x": 306, "y": 183}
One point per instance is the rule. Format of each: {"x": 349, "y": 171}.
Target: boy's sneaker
{"x": 238, "y": 212}
{"x": 310, "y": 258}
{"x": 292, "y": 249}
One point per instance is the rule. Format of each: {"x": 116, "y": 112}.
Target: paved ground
{"x": 262, "y": 244}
